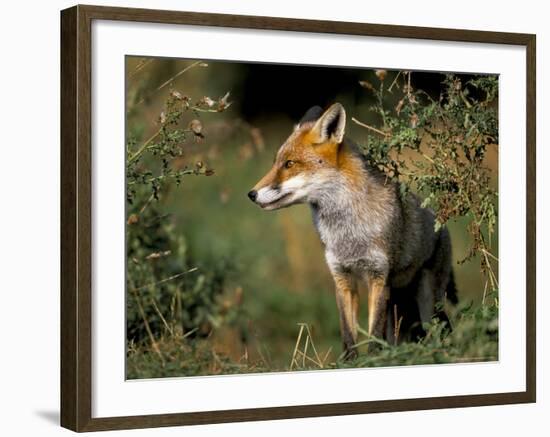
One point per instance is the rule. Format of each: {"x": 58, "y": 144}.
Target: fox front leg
{"x": 347, "y": 299}
{"x": 379, "y": 294}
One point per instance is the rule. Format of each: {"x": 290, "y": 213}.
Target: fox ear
{"x": 331, "y": 125}
{"x": 312, "y": 114}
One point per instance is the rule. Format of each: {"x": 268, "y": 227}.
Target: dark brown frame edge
{"x": 76, "y": 191}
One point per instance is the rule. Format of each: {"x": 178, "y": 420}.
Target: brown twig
{"x": 154, "y": 343}
{"x": 153, "y": 284}
{"x": 326, "y": 356}
{"x": 169, "y": 81}
{"x": 293, "y": 359}
{"x": 144, "y": 207}
{"x": 144, "y": 146}
{"x": 297, "y": 353}
{"x": 313, "y": 346}
{"x": 484, "y": 292}
{"x": 141, "y": 65}
{"x": 162, "y": 317}
{"x": 378, "y": 131}
{"x": 394, "y": 80}
{"x": 397, "y": 325}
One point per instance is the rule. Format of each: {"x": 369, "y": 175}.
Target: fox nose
{"x": 252, "y": 195}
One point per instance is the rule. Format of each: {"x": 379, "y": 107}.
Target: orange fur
{"x": 303, "y": 149}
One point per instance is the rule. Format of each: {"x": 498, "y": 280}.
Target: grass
{"x": 474, "y": 338}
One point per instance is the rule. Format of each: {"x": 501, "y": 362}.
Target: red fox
{"x": 371, "y": 233}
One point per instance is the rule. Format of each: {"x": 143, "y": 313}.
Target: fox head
{"x": 306, "y": 163}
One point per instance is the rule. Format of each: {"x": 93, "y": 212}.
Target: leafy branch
{"x": 166, "y": 145}
{"x": 171, "y": 290}
{"x": 438, "y": 147}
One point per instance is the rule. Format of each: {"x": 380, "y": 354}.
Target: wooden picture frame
{"x": 76, "y": 217}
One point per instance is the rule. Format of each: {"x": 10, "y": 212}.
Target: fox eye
{"x": 289, "y": 163}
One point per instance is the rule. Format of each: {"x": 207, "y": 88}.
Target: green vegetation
{"x": 216, "y": 286}
{"x": 438, "y": 147}
{"x": 474, "y": 339}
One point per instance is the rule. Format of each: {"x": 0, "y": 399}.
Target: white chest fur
{"x": 350, "y": 240}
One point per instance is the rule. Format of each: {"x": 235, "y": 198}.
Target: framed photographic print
{"x": 258, "y": 213}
